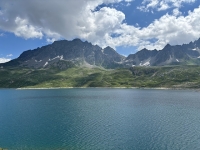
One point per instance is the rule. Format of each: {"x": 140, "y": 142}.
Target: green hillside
{"x": 152, "y": 77}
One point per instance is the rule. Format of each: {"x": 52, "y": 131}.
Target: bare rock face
{"x": 170, "y": 55}
{"x": 71, "y": 52}
{"x": 65, "y": 54}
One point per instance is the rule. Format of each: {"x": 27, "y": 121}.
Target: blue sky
{"x": 125, "y": 25}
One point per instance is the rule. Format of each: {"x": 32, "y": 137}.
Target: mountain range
{"x": 65, "y": 54}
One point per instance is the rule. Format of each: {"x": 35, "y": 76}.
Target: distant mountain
{"x": 66, "y": 54}
{"x": 186, "y": 54}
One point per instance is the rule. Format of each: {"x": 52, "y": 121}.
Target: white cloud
{"x": 24, "y": 29}
{"x": 51, "y": 40}
{"x": 175, "y": 30}
{"x": 1, "y": 34}
{"x": 9, "y": 55}
{"x": 100, "y": 25}
{"x": 176, "y": 12}
{"x": 78, "y": 19}
{"x": 168, "y": 29}
{"x": 162, "y": 4}
{"x": 3, "y": 60}
{"x": 36, "y": 19}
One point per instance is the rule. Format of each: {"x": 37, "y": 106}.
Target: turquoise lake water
{"x": 99, "y": 119}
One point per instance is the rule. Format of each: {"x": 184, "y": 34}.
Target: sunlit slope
{"x": 169, "y": 77}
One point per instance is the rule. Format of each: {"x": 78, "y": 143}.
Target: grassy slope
{"x": 170, "y": 77}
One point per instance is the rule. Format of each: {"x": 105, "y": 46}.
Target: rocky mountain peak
{"x": 167, "y": 46}
{"x": 77, "y": 40}
{"x": 78, "y": 52}
{"x": 108, "y": 50}
{"x": 169, "y": 55}
{"x": 75, "y": 51}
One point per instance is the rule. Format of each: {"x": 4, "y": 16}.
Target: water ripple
{"x": 106, "y": 119}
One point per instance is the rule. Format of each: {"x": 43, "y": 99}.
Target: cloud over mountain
{"x": 3, "y": 60}
{"x": 105, "y": 26}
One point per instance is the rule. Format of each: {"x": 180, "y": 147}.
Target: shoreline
{"x": 142, "y": 88}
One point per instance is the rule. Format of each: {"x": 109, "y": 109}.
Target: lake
{"x": 99, "y": 119}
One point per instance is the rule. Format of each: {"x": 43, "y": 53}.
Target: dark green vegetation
{"x": 152, "y": 77}
{"x": 80, "y": 64}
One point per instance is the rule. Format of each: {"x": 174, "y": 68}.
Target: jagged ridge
{"x": 65, "y": 54}
{"x": 186, "y": 54}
